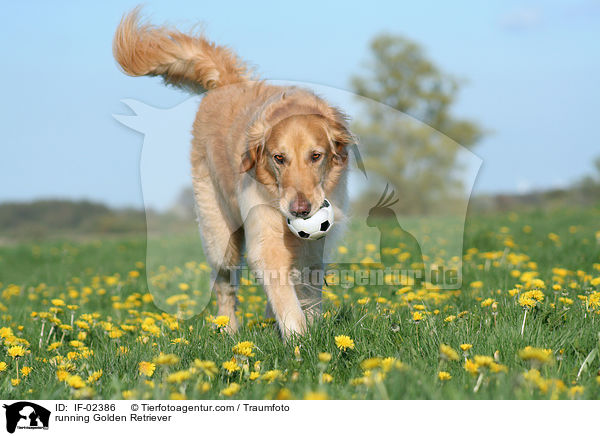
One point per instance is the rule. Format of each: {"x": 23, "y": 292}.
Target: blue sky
{"x": 531, "y": 71}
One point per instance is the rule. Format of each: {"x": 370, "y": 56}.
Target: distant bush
{"x": 582, "y": 193}
{"x": 46, "y": 218}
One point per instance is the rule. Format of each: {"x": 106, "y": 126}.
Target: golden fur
{"x": 243, "y": 190}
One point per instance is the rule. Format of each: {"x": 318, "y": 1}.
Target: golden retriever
{"x": 260, "y": 154}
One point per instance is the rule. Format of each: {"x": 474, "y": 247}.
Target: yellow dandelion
{"x": 244, "y": 348}
{"x": 231, "y": 366}
{"x": 284, "y": 394}
{"x": 221, "y": 321}
{"x": 203, "y": 387}
{"x": 208, "y": 367}
{"x": 62, "y": 375}
{"x": 146, "y": 368}
{"x": 82, "y": 324}
{"x": 471, "y": 367}
{"x": 344, "y": 342}
{"x": 326, "y": 378}
{"x": 271, "y": 376}
{"x": 444, "y": 376}
{"x": 391, "y": 362}
{"x": 16, "y": 351}
{"x": 94, "y": 376}
{"x": 417, "y": 316}
{"x": 530, "y": 299}
{"x": 575, "y": 391}
{"x": 448, "y": 353}
{"x": 483, "y": 361}
{"x": 316, "y": 396}
{"x": 166, "y": 359}
{"x": 324, "y": 357}
{"x": 497, "y": 367}
{"x": 487, "y": 302}
{"x": 371, "y": 363}
{"x": 179, "y": 376}
{"x": 6, "y": 332}
{"x": 75, "y": 381}
{"x": 128, "y": 395}
{"x": 536, "y": 355}
{"x": 230, "y": 390}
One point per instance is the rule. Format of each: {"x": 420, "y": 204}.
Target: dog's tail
{"x": 187, "y": 61}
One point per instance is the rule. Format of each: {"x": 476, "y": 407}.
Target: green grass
{"x": 95, "y": 276}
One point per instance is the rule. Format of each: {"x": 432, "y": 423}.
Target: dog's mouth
{"x": 294, "y": 204}
{"x": 290, "y": 216}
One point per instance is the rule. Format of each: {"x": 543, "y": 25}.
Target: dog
{"x": 261, "y": 154}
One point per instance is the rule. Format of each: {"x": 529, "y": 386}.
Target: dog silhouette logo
{"x": 26, "y": 415}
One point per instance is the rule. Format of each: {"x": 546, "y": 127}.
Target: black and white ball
{"x": 315, "y": 227}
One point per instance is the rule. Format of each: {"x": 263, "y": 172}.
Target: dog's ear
{"x": 248, "y": 160}
{"x": 253, "y": 155}
{"x": 339, "y": 135}
{"x": 256, "y": 138}
{"x": 340, "y": 151}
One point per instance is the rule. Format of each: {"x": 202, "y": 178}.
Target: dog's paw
{"x": 295, "y": 326}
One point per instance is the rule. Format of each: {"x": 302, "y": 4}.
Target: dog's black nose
{"x": 300, "y": 206}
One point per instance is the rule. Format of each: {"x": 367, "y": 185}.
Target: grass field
{"x": 77, "y": 321}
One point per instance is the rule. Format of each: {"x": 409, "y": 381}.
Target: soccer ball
{"x": 316, "y": 226}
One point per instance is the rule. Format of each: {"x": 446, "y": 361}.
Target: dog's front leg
{"x": 309, "y": 285}
{"x": 270, "y": 255}
{"x": 283, "y": 301}
{"x": 310, "y": 292}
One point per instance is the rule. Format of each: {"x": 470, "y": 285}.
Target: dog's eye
{"x": 279, "y": 159}
{"x": 316, "y": 156}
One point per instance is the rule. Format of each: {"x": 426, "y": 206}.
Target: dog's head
{"x": 297, "y": 148}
